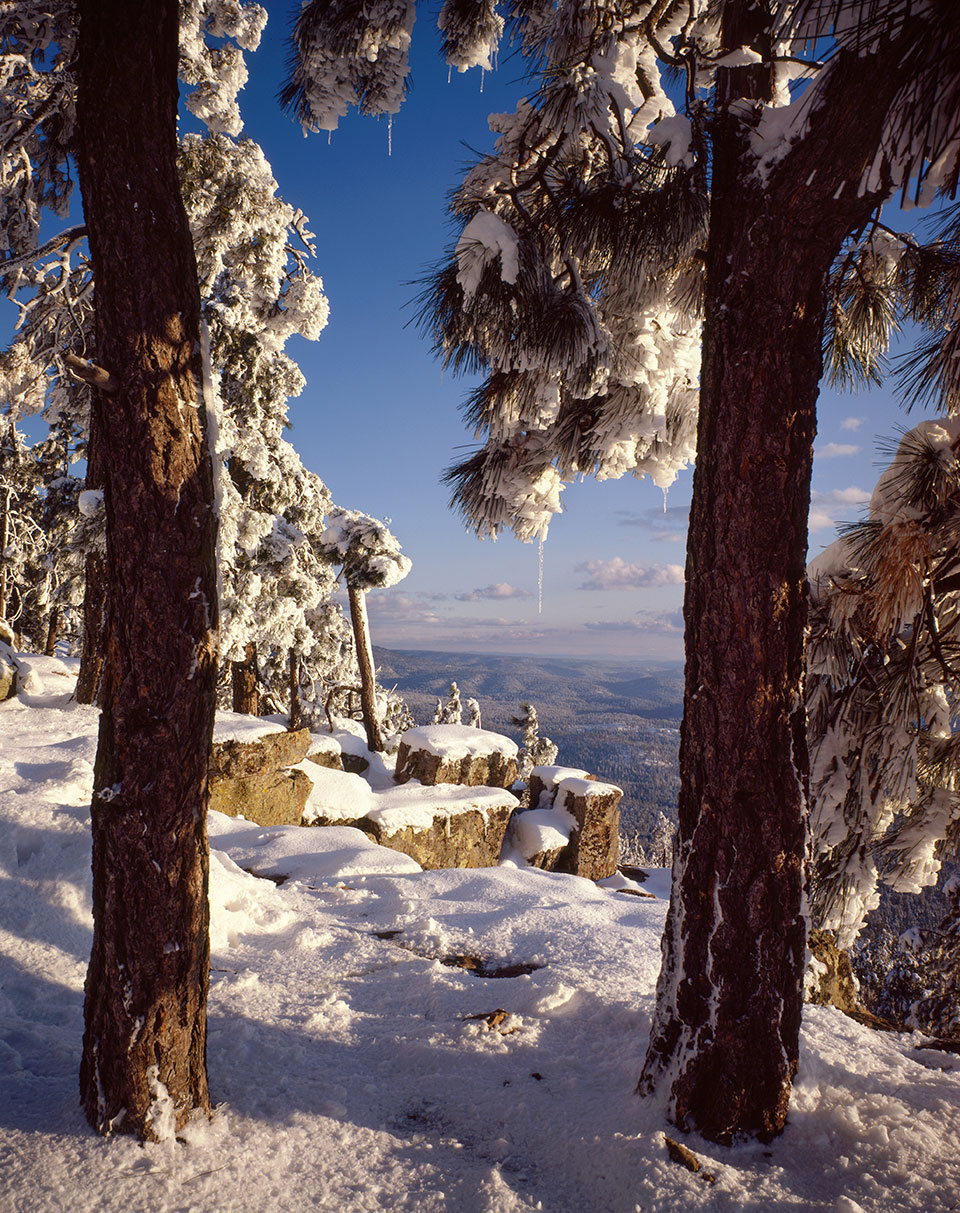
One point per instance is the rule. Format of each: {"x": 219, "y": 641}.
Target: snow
{"x": 336, "y": 794}
{"x": 486, "y": 236}
{"x": 458, "y": 740}
{"x": 413, "y": 805}
{"x": 352, "y": 1069}
{"x": 540, "y": 830}
{"x": 236, "y": 726}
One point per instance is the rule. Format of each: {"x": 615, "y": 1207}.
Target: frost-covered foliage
{"x": 884, "y": 685}
{"x": 257, "y": 291}
{"x": 937, "y": 1012}
{"x": 472, "y": 709}
{"x": 574, "y": 282}
{"x": 253, "y": 254}
{"x": 535, "y": 751}
{"x": 451, "y": 712}
{"x": 365, "y": 548}
{"x": 217, "y": 70}
{"x": 648, "y": 850}
{"x": 44, "y": 533}
{"x": 349, "y": 53}
{"x": 883, "y": 278}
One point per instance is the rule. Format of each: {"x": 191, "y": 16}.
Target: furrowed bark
{"x": 724, "y": 1040}
{"x": 244, "y": 684}
{"x": 144, "y": 1067}
{"x": 368, "y": 682}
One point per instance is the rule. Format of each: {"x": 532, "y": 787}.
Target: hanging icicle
{"x": 481, "y": 79}
{"x": 540, "y": 583}
{"x": 389, "y": 134}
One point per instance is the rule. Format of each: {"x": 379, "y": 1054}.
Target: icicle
{"x": 664, "y": 500}
{"x": 390, "y": 137}
{"x": 481, "y": 79}
{"x": 449, "y": 72}
{"x": 329, "y": 137}
{"x": 540, "y": 583}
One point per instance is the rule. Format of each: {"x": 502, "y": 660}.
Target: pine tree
{"x": 535, "y": 751}
{"x": 589, "y": 251}
{"x": 883, "y": 685}
{"x": 453, "y": 709}
{"x": 369, "y": 557}
{"x": 144, "y": 1057}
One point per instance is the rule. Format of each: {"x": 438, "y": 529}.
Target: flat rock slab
{"x": 276, "y": 798}
{"x": 594, "y": 843}
{"x": 443, "y": 826}
{"x": 253, "y": 779}
{"x": 456, "y": 754}
{"x": 271, "y": 752}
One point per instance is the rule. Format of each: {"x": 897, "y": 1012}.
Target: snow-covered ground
{"x": 353, "y": 1070}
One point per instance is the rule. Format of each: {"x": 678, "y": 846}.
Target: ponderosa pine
{"x": 144, "y": 1053}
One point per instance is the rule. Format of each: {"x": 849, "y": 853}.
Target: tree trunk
{"x": 94, "y": 608}
{"x": 244, "y": 682}
{"x": 368, "y": 681}
{"x": 725, "y": 1032}
{"x": 6, "y": 496}
{"x": 144, "y": 1067}
{"x": 94, "y": 586}
{"x": 293, "y": 674}
{"x": 53, "y": 631}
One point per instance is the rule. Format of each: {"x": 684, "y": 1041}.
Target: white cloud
{"x": 852, "y": 423}
{"x": 616, "y": 574}
{"x": 660, "y": 623}
{"x": 838, "y": 505}
{"x": 500, "y": 589}
{"x": 836, "y": 450}
{"x": 652, "y": 519}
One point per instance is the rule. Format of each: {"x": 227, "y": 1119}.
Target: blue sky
{"x": 379, "y": 421}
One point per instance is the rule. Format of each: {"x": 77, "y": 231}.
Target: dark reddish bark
{"x": 145, "y": 1008}
{"x": 94, "y": 606}
{"x": 94, "y": 586}
{"x": 368, "y": 679}
{"x": 244, "y": 683}
{"x": 54, "y": 623}
{"x": 725, "y": 1031}
{"x": 293, "y": 680}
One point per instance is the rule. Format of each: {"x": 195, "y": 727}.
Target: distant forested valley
{"x": 618, "y": 720}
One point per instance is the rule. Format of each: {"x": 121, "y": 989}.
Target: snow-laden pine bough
{"x": 883, "y": 685}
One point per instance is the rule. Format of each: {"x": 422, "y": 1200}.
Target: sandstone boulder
{"x": 540, "y": 836}
{"x": 594, "y": 844}
{"x": 8, "y": 672}
{"x": 253, "y": 779}
{"x": 456, "y": 754}
{"x": 445, "y": 826}
{"x": 270, "y": 752}
{"x": 836, "y": 985}
{"x": 325, "y": 752}
{"x": 277, "y": 798}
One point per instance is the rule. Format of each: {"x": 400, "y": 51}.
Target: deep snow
{"x": 347, "y": 1062}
